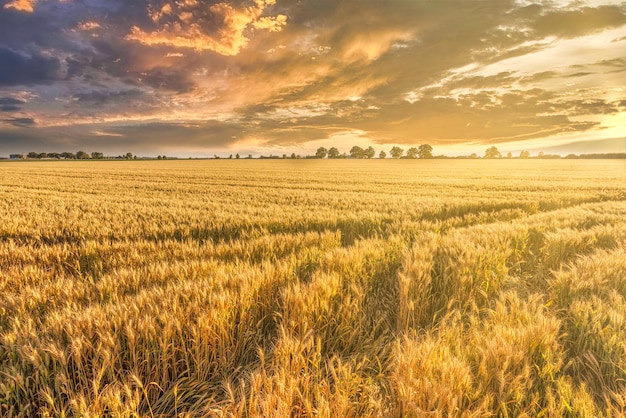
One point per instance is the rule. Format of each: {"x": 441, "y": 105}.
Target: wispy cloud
{"x": 110, "y": 134}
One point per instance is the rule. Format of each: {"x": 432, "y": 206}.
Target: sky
{"x": 198, "y": 78}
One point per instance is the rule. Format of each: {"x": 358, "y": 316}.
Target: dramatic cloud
{"x": 198, "y": 77}
{"x": 186, "y": 24}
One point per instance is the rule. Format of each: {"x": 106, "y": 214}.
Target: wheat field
{"x": 434, "y": 288}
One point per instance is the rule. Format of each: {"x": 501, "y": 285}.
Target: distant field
{"x": 323, "y": 288}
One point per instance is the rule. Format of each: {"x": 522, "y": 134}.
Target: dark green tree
{"x": 370, "y": 152}
{"x": 333, "y": 153}
{"x": 425, "y": 151}
{"x": 492, "y": 152}
{"x": 396, "y": 152}
{"x": 412, "y": 153}
{"x": 382, "y": 154}
{"x": 321, "y": 152}
{"x": 357, "y": 152}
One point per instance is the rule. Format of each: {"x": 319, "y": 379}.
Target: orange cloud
{"x": 21, "y": 5}
{"x": 188, "y": 30}
{"x": 156, "y": 15}
{"x": 372, "y": 46}
{"x": 273, "y": 24}
{"x": 87, "y": 26}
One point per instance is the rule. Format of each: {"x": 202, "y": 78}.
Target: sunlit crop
{"x": 344, "y": 288}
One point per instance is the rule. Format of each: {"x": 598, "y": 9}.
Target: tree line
{"x": 79, "y": 155}
{"x": 424, "y": 151}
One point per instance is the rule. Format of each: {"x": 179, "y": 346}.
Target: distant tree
{"x": 396, "y": 152}
{"x": 158, "y": 157}
{"x": 425, "y": 151}
{"x": 249, "y": 156}
{"x": 42, "y": 155}
{"x": 230, "y": 157}
{"x": 382, "y": 154}
{"x": 524, "y": 154}
{"x": 540, "y": 155}
{"x": 237, "y": 156}
{"x": 129, "y": 156}
{"x": 357, "y": 152}
{"x": 509, "y": 155}
{"x": 412, "y": 153}
{"x": 54, "y": 155}
{"x": 32, "y": 155}
{"x": 370, "y": 152}
{"x": 293, "y": 155}
{"x": 474, "y": 155}
{"x": 333, "y": 153}
{"x": 492, "y": 152}
{"x": 321, "y": 152}
{"x": 82, "y": 155}
{"x": 68, "y": 155}
{"x": 97, "y": 155}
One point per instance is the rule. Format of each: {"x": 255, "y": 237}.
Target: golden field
{"x": 433, "y": 288}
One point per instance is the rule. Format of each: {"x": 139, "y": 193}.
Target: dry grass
{"x": 313, "y": 288}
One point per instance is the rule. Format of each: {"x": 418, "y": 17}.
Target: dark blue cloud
{"x": 21, "y": 122}
{"x": 19, "y": 29}
{"x": 101, "y": 97}
{"x": 9, "y": 104}
{"x": 19, "y": 68}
